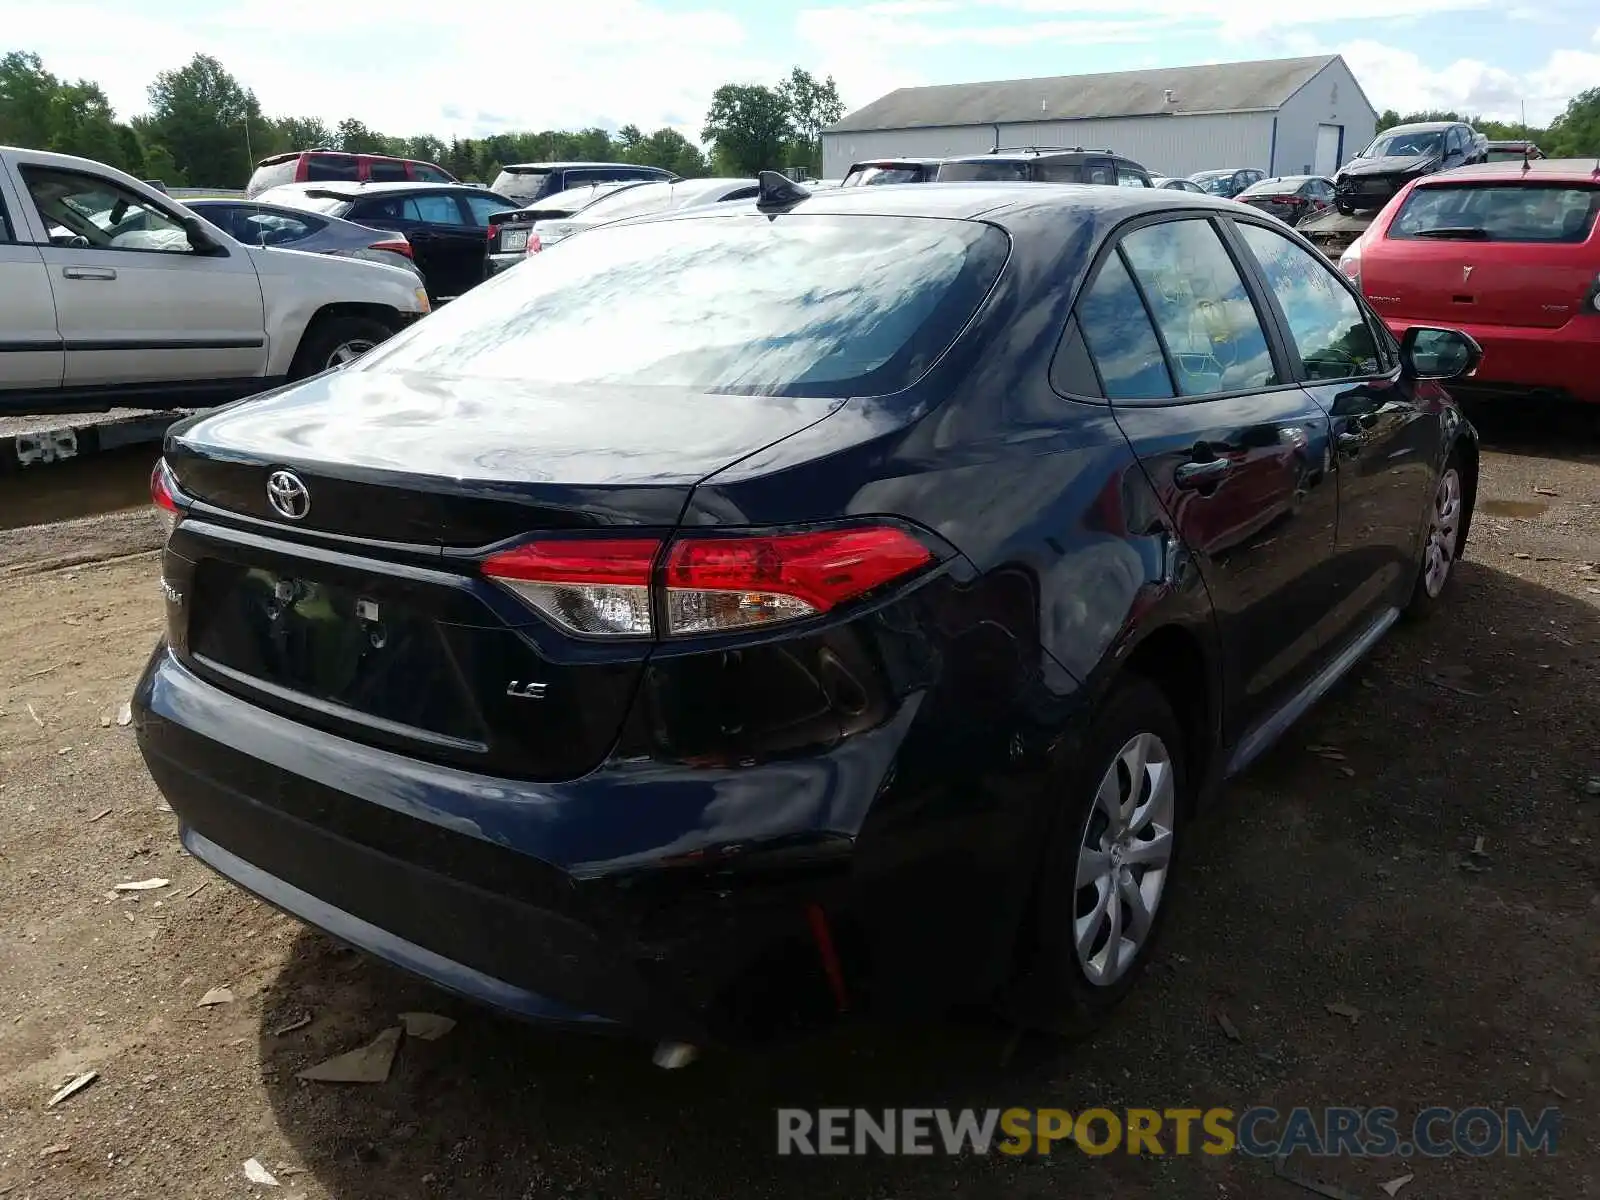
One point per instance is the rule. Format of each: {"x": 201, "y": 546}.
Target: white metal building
{"x": 1287, "y": 116}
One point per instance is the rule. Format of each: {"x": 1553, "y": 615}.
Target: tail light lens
{"x": 594, "y": 587}
{"x": 707, "y": 584}
{"x": 164, "y": 495}
{"x": 394, "y": 246}
{"x": 1591, "y": 302}
{"x": 1350, "y": 263}
{"x": 534, "y": 244}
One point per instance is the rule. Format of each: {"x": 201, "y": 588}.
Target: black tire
{"x": 1056, "y": 992}
{"x": 1344, "y": 208}
{"x": 329, "y": 336}
{"x": 1427, "y": 592}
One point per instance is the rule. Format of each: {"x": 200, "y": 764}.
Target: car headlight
{"x": 422, "y": 300}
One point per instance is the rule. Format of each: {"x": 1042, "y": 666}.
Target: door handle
{"x": 1201, "y": 474}
{"x": 102, "y": 273}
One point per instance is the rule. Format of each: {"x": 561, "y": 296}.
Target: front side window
{"x": 796, "y": 305}
{"x": 1201, "y": 306}
{"x": 1128, "y": 177}
{"x": 1121, "y": 339}
{"x": 1511, "y": 212}
{"x": 433, "y": 210}
{"x": 1326, "y": 324}
{"x": 94, "y": 213}
{"x": 1102, "y": 174}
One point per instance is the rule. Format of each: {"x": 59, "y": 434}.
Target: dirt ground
{"x": 1327, "y": 876}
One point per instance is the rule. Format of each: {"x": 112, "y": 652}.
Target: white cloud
{"x": 422, "y": 67}
{"x": 1399, "y": 79}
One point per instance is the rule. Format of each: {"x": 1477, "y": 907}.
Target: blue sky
{"x": 412, "y": 66}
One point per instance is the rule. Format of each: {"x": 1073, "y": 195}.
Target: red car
{"x": 326, "y": 166}
{"x": 1506, "y": 252}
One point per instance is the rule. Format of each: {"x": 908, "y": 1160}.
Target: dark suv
{"x": 1041, "y": 164}
{"x": 527, "y": 182}
{"x": 1398, "y": 155}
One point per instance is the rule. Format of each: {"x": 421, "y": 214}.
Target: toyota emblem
{"x": 288, "y": 496}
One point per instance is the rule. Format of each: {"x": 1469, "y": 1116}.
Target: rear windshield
{"x": 796, "y": 305}
{"x": 1512, "y": 212}
{"x": 521, "y": 186}
{"x": 865, "y": 176}
{"x": 1506, "y": 154}
{"x": 271, "y": 175}
{"x": 988, "y": 172}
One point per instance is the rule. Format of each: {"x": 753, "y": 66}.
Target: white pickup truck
{"x": 168, "y": 310}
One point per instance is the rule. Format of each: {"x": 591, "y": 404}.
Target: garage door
{"x": 1329, "y": 138}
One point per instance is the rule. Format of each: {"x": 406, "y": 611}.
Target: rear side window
{"x": 1120, "y": 337}
{"x": 1201, "y": 307}
{"x": 1512, "y": 212}
{"x": 323, "y": 167}
{"x": 1058, "y": 172}
{"x": 798, "y": 305}
{"x": 986, "y": 172}
{"x": 433, "y": 210}
{"x": 423, "y": 173}
{"x": 380, "y": 171}
{"x": 522, "y": 186}
{"x": 1101, "y": 173}
{"x": 272, "y": 175}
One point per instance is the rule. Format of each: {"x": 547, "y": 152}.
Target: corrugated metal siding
{"x": 839, "y": 150}
{"x": 1165, "y": 145}
{"x": 1332, "y": 98}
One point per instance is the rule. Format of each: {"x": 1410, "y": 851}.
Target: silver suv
{"x": 113, "y": 293}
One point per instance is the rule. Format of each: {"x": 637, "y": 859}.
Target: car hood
{"x": 1393, "y": 164}
{"x": 331, "y": 279}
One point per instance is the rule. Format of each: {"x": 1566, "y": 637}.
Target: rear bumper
{"x": 612, "y": 899}
{"x": 495, "y": 263}
{"x": 1564, "y": 361}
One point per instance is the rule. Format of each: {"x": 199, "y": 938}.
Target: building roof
{"x": 1216, "y": 88}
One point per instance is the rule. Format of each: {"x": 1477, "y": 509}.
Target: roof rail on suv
{"x": 1045, "y": 150}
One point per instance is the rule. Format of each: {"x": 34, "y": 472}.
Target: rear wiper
{"x": 1471, "y": 233}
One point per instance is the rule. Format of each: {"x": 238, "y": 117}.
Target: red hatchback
{"x": 327, "y": 166}
{"x": 1506, "y": 252}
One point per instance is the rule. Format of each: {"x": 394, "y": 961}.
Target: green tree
{"x": 671, "y": 151}
{"x": 353, "y": 137}
{"x": 426, "y": 148}
{"x": 203, "y": 118}
{"x": 1576, "y": 132}
{"x": 749, "y": 127}
{"x": 303, "y": 133}
{"x": 27, "y": 92}
{"x": 812, "y": 108}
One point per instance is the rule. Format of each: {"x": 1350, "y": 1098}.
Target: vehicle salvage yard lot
{"x": 1423, "y": 851}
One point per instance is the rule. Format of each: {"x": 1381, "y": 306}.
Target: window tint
{"x": 1059, "y": 172}
{"x": 433, "y": 210}
{"x": 423, "y": 173}
{"x": 1511, "y": 212}
{"x": 322, "y": 167}
{"x": 379, "y": 171}
{"x": 1201, "y": 307}
{"x": 524, "y": 186}
{"x": 987, "y": 172}
{"x": 867, "y": 176}
{"x": 1099, "y": 172}
{"x": 1128, "y": 177}
{"x": 809, "y": 305}
{"x": 1326, "y": 324}
{"x": 259, "y": 228}
{"x": 1121, "y": 339}
{"x": 374, "y": 208}
{"x": 89, "y": 210}
{"x": 481, "y": 208}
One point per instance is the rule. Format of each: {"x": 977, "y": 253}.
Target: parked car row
{"x": 113, "y": 293}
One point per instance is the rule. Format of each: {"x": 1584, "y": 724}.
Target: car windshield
{"x": 868, "y": 175}
{"x": 521, "y": 186}
{"x": 1214, "y": 185}
{"x": 798, "y": 305}
{"x": 1405, "y": 145}
{"x": 1510, "y": 212}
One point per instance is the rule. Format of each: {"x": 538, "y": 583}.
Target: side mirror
{"x": 1439, "y": 354}
{"x": 200, "y": 241}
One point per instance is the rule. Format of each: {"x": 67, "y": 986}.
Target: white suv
{"x": 112, "y": 293}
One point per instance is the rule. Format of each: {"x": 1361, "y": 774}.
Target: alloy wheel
{"x": 1123, "y": 859}
{"x": 348, "y": 352}
{"x": 1444, "y": 531}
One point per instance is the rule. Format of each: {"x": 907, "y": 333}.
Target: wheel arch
{"x": 389, "y": 317}
{"x": 1180, "y": 663}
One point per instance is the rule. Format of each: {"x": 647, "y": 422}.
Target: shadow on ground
{"x": 1326, "y": 876}
{"x": 1537, "y": 427}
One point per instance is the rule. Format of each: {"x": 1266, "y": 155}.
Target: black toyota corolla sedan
{"x": 837, "y": 602}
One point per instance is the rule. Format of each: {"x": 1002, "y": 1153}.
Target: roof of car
{"x": 355, "y": 187}
{"x": 1566, "y": 170}
{"x": 884, "y": 162}
{"x": 561, "y": 166}
{"x": 1029, "y": 153}
{"x": 968, "y": 200}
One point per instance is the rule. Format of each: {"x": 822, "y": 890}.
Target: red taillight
{"x": 494, "y": 235}
{"x": 711, "y": 584}
{"x": 718, "y": 583}
{"x": 164, "y": 495}
{"x": 534, "y": 244}
{"x": 394, "y": 246}
{"x": 588, "y": 586}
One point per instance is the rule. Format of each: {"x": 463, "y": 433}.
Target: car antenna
{"x": 778, "y": 191}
